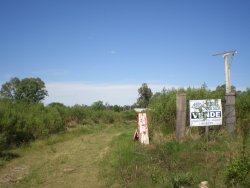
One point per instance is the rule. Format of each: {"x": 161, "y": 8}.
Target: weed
{"x": 182, "y": 180}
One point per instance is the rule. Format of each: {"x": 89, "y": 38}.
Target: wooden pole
{"x": 206, "y": 131}
{"x": 180, "y": 117}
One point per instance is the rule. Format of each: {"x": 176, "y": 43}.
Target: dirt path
{"x": 71, "y": 163}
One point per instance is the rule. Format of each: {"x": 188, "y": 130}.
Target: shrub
{"x": 162, "y": 110}
{"x": 22, "y": 122}
{"x": 238, "y": 172}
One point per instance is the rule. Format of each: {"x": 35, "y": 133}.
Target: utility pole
{"x": 230, "y": 96}
{"x": 227, "y": 67}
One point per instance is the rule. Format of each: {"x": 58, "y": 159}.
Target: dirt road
{"x": 66, "y": 163}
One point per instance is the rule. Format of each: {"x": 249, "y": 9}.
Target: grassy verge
{"x": 9, "y": 155}
{"x": 169, "y": 164}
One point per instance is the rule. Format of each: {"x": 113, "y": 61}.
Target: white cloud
{"x": 78, "y": 93}
{"x": 112, "y": 52}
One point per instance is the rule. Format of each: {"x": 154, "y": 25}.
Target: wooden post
{"x": 180, "y": 117}
{"x": 230, "y": 112}
{"x": 206, "y": 131}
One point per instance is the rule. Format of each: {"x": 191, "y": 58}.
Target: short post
{"x": 180, "y": 117}
{"x": 206, "y": 131}
{"x": 230, "y": 112}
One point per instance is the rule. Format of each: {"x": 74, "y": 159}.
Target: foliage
{"x": 243, "y": 105}
{"x": 21, "y": 122}
{"x": 27, "y": 89}
{"x": 162, "y": 110}
{"x": 145, "y": 95}
{"x": 167, "y": 164}
{"x": 238, "y": 171}
{"x": 162, "y": 105}
{"x": 98, "y": 105}
{"x": 9, "y": 89}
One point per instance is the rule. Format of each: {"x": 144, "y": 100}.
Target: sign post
{"x": 142, "y": 126}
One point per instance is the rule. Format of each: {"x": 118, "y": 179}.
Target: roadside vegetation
{"x": 23, "y": 118}
{"x": 22, "y": 122}
{"x": 29, "y": 129}
{"x": 221, "y": 159}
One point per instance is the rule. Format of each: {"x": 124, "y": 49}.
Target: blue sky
{"x": 93, "y": 50}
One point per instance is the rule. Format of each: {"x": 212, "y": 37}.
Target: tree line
{"x": 23, "y": 116}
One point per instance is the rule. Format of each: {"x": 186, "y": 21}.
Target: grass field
{"x": 106, "y": 156}
{"x": 165, "y": 163}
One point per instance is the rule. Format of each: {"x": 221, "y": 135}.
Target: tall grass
{"x": 166, "y": 163}
{"x": 170, "y": 164}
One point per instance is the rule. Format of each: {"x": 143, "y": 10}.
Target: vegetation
{"x": 23, "y": 118}
{"x": 67, "y": 159}
{"x": 21, "y": 122}
{"x": 27, "y": 89}
{"x": 221, "y": 159}
{"x": 145, "y": 95}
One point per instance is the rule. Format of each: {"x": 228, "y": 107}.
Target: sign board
{"x": 143, "y": 127}
{"x": 205, "y": 112}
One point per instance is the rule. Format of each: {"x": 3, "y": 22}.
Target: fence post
{"x": 230, "y": 112}
{"x": 180, "y": 117}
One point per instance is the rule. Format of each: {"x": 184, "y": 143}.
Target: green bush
{"x": 237, "y": 173}
{"x": 162, "y": 110}
{"x": 22, "y": 122}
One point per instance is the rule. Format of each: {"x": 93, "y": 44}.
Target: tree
{"x": 27, "y": 89}
{"x": 145, "y": 95}
{"x": 9, "y": 89}
{"x": 98, "y": 105}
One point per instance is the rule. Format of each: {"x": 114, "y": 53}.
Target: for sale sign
{"x": 205, "y": 112}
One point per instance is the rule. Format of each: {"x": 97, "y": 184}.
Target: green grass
{"x": 169, "y": 164}
{"x": 68, "y": 159}
{"x": 107, "y": 156}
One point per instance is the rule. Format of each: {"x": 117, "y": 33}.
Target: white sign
{"x": 205, "y": 112}
{"x": 143, "y": 128}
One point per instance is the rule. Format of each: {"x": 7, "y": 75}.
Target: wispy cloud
{"x": 112, "y": 52}
{"x": 51, "y": 72}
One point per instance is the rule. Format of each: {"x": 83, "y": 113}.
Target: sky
{"x": 90, "y": 50}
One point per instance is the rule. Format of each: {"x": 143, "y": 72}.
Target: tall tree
{"x": 145, "y": 95}
{"x": 9, "y": 89}
{"x": 27, "y": 89}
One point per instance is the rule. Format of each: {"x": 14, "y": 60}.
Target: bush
{"x": 21, "y": 122}
{"x": 237, "y": 173}
{"x": 163, "y": 111}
